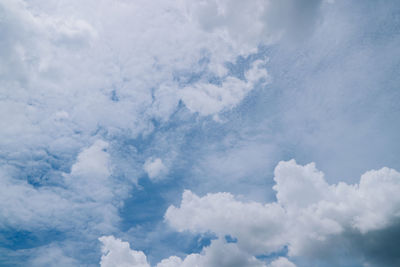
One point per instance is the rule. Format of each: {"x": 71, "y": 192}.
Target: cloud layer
{"x": 109, "y": 109}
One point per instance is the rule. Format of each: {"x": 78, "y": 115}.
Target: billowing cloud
{"x": 218, "y": 254}
{"x": 309, "y": 216}
{"x": 308, "y": 210}
{"x": 118, "y": 253}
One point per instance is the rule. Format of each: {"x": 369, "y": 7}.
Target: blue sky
{"x": 199, "y": 133}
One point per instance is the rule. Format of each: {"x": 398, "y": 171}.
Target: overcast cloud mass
{"x": 200, "y": 133}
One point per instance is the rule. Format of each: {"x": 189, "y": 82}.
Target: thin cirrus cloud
{"x": 110, "y": 108}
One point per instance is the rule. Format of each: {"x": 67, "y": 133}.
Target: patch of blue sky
{"x": 148, "y": 202}
{"x": 274, "y": 255}
{"x": 230, "y": 239}
{"x": 17, "y": 246}
{"x": 114, "y": 96}
{"x": 15, "y": 239}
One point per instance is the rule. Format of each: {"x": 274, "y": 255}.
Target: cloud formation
{"x": 308, "y": 215}
{"x": 70, "y": 78}
{"x": 97, "y": 96}
{"x": 118, "y": 253}
{"x": 218, "y": 254}
{"x": 207, "y": 99}
{"x": 308, "y": 210}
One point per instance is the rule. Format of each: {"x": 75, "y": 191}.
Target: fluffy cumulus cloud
{"x": 118, "y": 253}
{"x": 219, "y": 253}
{"x": 308, "y": 210}
{"x": 308, "y": 214}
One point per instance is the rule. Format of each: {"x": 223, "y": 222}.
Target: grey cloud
{"x": 264, "y": 21}
{"x": 380, "y": 247}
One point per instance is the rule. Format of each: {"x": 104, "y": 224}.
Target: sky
{"x": 199, "y": 133}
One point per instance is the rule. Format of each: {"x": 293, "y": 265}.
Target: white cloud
{"x": 218, "y": 254}
{"x": 87, "y": 196}
{"x": 26, "y": 207}
{"x": 68, "y": 76}
{"x": 172, "y": 261}
{"x": 65, "y": 56}
{"x": 281, "y": 262}
{"x": 67, "y": 73}
{"x": 207, "y": 98}
{"x": 222, "y": 214}
{"x": 154, "y": 168}
{"x": 307, "y": 210}
{"x": 90, "y": 174}
{"x": 298, "y": 186}
{"x": 118, "y": 253}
